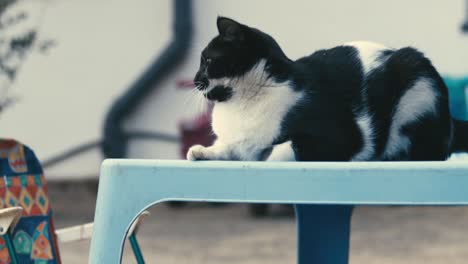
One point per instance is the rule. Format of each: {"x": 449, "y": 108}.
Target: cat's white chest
{"x": 253, "y": 121}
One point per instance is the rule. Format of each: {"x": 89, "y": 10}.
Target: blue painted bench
{"x": 324, "y": 194}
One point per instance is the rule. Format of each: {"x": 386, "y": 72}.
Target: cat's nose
{"x": 201, "y": 81}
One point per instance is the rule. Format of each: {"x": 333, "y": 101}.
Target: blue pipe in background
{"x": 115, "y": 140}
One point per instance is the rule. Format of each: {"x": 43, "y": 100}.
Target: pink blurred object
{"x": 184, "y": 84}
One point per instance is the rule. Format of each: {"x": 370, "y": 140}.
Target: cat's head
{"x": 239, "y": 58}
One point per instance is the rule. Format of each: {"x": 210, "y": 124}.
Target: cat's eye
{"x": 206, "y": 60}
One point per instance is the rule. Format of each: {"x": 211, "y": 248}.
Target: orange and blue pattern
{"x": 22, "y": 183}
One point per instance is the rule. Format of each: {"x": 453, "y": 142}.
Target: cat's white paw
{"x": 197, "y": 152}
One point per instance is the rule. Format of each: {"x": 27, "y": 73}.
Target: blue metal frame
{"x": 136, "y": 249}
{"x": 11, "y": 248}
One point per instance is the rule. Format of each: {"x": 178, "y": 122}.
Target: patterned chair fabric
{"x": 23, "y": 184}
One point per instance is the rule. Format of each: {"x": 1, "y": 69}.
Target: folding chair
{"x": 27, "y": 233}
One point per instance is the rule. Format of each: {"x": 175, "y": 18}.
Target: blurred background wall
{"x": 102, "y": 46}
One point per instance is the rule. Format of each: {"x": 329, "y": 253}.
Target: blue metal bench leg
{"x": 136, "y": 249}
{"x": 323, "y": 233}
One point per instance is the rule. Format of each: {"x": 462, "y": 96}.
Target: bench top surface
{"x": 411, "y": 183}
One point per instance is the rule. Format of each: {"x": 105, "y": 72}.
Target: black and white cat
{"x": 357, "y": 102}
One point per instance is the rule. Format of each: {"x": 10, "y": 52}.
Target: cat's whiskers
{"x": 200, "y": 99}
{"x": 189, "y": 99}
{"x": 197, "y": 99}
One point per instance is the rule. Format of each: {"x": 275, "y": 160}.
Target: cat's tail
{"x": 460, "y": 136}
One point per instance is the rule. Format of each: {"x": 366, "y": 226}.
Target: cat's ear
{"x": 229, "y": 29}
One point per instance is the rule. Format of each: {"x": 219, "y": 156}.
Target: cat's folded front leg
{"x": 215, "y": 152}
{"x": 245, "y": 151}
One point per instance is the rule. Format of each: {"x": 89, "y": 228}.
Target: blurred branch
{"x": 17, "y": 36}
{"x": 18, "y": 47}
{"x": 46, "y": 45}
{"x": 4, "y": 4}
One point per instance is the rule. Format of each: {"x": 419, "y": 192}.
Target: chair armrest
{"x": 84, "y": 231}
{"x": 74, "y": 233}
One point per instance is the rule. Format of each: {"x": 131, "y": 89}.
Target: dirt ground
{"x": 204, "y": 234}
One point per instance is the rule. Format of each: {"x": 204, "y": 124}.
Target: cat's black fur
{"x": 322, "y": 124}
{"x": 335, "y": 79}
